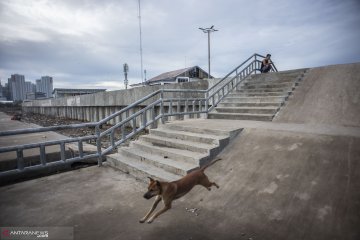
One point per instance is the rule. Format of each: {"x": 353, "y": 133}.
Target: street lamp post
{"x": 208, "y": 31}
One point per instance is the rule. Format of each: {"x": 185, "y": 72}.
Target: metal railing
{"x": 158, "y": 107}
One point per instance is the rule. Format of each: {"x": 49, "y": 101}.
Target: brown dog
{"x": 169, "y": 191}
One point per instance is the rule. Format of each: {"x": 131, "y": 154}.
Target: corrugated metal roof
{"x": 171, "y": 74}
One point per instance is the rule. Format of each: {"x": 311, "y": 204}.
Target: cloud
{"x": 86, "y": 42}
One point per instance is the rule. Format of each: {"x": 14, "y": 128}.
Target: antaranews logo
{"x": 30, "y": 233}
{"x": 23, "y": 233}
{"x": 6, "y": 233}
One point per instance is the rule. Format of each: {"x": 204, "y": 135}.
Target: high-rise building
{"x": 17, "y": 87}
{"x": 45, "y": 85}
{"x": 33, "y": 87}
{"x": 28, "y": 87}
{"x": 2, "y": 97}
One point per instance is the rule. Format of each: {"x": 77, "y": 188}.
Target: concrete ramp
{"x": 284, "y": 185}
{"x": 327, "y": 95}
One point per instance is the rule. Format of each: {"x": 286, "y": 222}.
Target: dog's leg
{"x": 157, "y": 200}
{"x": 166, "y": 207}
{"x": 208, "y": 187}
{"x": 207, "y": 184}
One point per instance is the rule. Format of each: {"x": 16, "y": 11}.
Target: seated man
{"x": 266, "y": 64}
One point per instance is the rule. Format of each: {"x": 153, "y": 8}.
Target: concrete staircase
{"x": 170, "y": 151}
{"x": 174, "y": 149}
{"x": 259, "y": 98}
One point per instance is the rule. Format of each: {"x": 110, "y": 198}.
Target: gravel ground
{"x": 46, "y": 121}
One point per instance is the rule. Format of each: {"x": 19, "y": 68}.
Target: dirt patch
{"x": 47, "y": 121}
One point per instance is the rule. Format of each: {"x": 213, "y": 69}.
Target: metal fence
{"x": 169, "y": 102}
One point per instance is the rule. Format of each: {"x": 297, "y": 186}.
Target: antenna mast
{"x": 141, "y": 56}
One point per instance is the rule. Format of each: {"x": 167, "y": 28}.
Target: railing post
{"x": 206, "y": 105}
{"x": 123, "y": 134}
{"x": 237, "y": 77}
{"x": 62, "y": 151}
{"x": 256, "y": 63}
{"x": 112, "y": 138}
{"x": 144, "y": 120}
{"x": 171, "y": 110}
{"x": 134, "y": 124}
{"x": 153, "y": 125}
{"x": 80, "y": 146}
{"x": 178, "y": 109}
{"x": 20, "y": 159}
{"x": 98, "y": 145}
{"x": 162, "y": 106}
{"x": 186, "y": 110}
{"x": 42, "y": 155}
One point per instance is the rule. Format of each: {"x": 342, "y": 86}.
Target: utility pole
{"x": 208, "y": 31}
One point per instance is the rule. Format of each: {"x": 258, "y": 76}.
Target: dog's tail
{"x": 209, "y": 164}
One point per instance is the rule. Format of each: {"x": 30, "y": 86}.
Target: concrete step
{"x": 170, "y": 152}
{"x": 264, "y": 90}
{"x": 139, "y": 169}
{"x": 269, "y": 85}
{"x": 273, "y": 99}
{"x": 242, "y": 116}
{"x": 178, "y": 127}
{"x": 249, "y": 104}
{"x": 279, "y": 79}
{"x": 177, "y": 143}
{"x": 280, "y": 75}
{"x": 253, "y": 110}
{"x": 174, "y": 166}
{"x": 187, "y": 136}
{"x": 255, "y": 93}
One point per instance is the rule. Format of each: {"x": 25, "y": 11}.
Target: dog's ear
{"x": 151, "y": 180}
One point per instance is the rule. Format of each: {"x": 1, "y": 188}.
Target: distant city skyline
{"x": 18, "y": 89}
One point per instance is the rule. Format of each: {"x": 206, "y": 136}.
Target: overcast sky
{"x": 84, "y": 43}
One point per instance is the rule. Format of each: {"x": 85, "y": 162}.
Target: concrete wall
{"x": 94, "y": 107}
